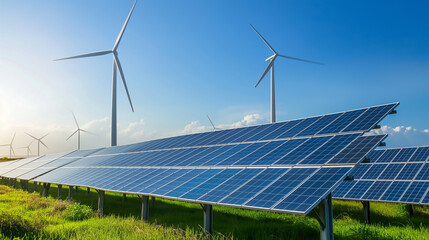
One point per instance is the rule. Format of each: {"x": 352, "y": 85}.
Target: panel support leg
{"x": 87, "y": 191}
{"x": 366, "y": 212}
{"x": 46, "y": 189}
{"x": 100, "y": 202}
{"x": 325, "y": 219}
{"x": 208, "y": 218}
{"x": 124, "y": 197}
{"x": 410, "y": 210}
{"x": 145, "y": 208}
{"x": 76, "y": 188}
{"x": 35, "y": 186}
{"x": 70, "y": 196}
{"x": 60, "y": 189}
{"x": 153, "y": 201}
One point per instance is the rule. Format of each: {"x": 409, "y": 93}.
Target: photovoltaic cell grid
{"x": 267, "y": 167}
{"x": 393, "y": 175}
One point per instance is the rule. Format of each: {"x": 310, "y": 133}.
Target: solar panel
{"x": 284, "y": 167}
{"x": 398, "y": 175}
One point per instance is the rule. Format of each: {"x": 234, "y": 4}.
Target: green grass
{"x": 169, "y": 219}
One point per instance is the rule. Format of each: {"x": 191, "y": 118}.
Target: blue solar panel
{"x": 229, "y": 160}
{"x": 278, "y": 189}
{"x": 187, "y": 186}
{"x": 375, "y": 171}
{"x": 377, "y": 189}
{"x": 395, "y": 191}
{"x": 421, "y": 155}
{"x": 388, "y": 156}
{"x": 166, "y": 180}
{"x": 343, "y": 189}
{"x": 279, "y": 152}
{"x": 329, "y": 149}
{"x": 208, "y": 185}
{"x": 409, "y": 171}
{"x": 340, "y": 123}
{"x": 141, "y": 186}
{"x": 304, "y": 198}
{"x": 373, "y": 156}
{"x": 245, "y": 192}
{"x": 404, "y": 155}
{"x": 177, "y": 182}
{"x": 302, "y": 151}
{"x": 424, "y": 173}
{"x": 359, "y": 189}
{"x": 415, "y": 192}
{"x": 391, "y": 171}
{"x": 283, "y": 128}
{"x": 230, "y": 185}
{"x": 298, "y": 128}
{"x": 319, "y": 125}
{"x": 267, "y": 129}
{"x": 262, "y": 151}
{"x": 357, "y": 150}
{"x": 229, "y": 152}
{"x": 369, "y": 118}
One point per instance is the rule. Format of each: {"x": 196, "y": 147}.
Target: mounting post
{"x": 366, "y": 212}
{"x": 326, "y": 219}
{"x": 124, "y": 197}
{"x": 208, "y": 218}
{"x": 153, "y": 201}
{"x": 100, "y": 202}
{"x": 76, "y": 188}
{"x": 70, "y": 196}
{"x": 46, "y": 189}
{"x": 145, "y": 207}
{"x": 35, "y": 186}
{"x": 60, "y": 189}
{"x": 88, "y": 190}
{"x": 410, "y": 210}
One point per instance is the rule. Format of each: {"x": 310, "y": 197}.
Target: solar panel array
{"x": 393, "y": 175}
{"x": 282, "y": 167}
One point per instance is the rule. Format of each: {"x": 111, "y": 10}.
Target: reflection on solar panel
{"x": 393, "y": 175}
{"x": 284, "y": 167}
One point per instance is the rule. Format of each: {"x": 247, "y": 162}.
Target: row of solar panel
{"x": 352, "y": 121}
{"x": 413, "y": 154}
{"x": 392, "y": 171}
{"x": 279, "y": 189}
{"x": 389, "y": 191}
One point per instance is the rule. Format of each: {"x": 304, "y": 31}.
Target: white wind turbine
{"x": 39, "y": 141}
{"x": 77, "y": 131}
{"x": 116, "y": 65}
{"x": 28, "y": 148}
{"x": 271, "y": 66}
{"x": 10, "y": 146}
{"x": 214, "y": 128}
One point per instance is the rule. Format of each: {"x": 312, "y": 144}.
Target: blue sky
{"x": 185, "y": 59}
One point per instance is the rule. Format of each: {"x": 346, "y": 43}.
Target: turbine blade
{"x": 72, "y": 135}
{"x": 31, "y": 143}
{"x": 44, "y": 136}
{"x": 88, "y": 132}
{"x": 29, "y": 150}
{"x": 118, "y": 64}
{"x": 300, "y": 59}
{"x": 93, "y": 54}
{"x": 75, "y": 120}
{"x": 43, "y": 143}
{"x": 12, "y": 139}
{"x": 211, "y": 122}
{"x": 11, "y": 148}
{"x": 4, "y": 145}
{"x": 123, "y": 27}
{"x": 263, "y": 39}
{"x": 265, "y": 72}
{"x": 31, "y": 136}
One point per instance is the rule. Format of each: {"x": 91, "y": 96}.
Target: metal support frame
{"x": 88, "y": 190}
{"x": 325, "y": 218}
{"x": 124, "y": 197}
{"x": 366, "y": 212}
{"x": 100, "y": 202}
{"x": 145, "y": 208}
{"x": 60, "y": 189}
{"x": 76, "y": 188}
{"x": 35, "y": 186}
{"x": 70, "y": 196}
{"x": 208, "y": 217}
{"x": 46, "y": 189}
{"x": 411, "y": 210}
{"x": 152, "y": 200}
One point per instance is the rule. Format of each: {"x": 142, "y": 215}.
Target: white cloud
{"x": 195, "y": 127}
{"x": 426, "y": 131}
{"x": 394, "y": 130}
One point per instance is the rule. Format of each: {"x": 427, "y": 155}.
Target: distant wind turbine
{"x": 28, "y": 148}
{"x": 39, "y": 141}
{"x": 271, "y": 66}
{"x": 116, "y": 65}
{"x": 214, "y": 128}
{"x": 77, "y": 131}
{"x": 10, "y": 146}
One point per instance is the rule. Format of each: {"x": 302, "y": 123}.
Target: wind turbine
{"x": 77, "y": 131}
{"x": 28, "y": 148}
{"x": 39, "y": 141}
{"x": 271, "y": 66}
{"x": 214, "y": 128}
{"x": 116, "y": 65}
{"x": 10, "y": 146}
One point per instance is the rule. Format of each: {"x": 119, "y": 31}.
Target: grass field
{"x": 28, "y": 216}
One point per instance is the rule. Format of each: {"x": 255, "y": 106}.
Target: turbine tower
{"x": 28, "y": 148}
{"x": 116, "y": 66}
{"x": 78, "y": 132}
{"x": 10, "y": 146}
{"x": 214, "y": 128}
{"x": 271, "y": 67}
{"x": 39, "y": 141}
